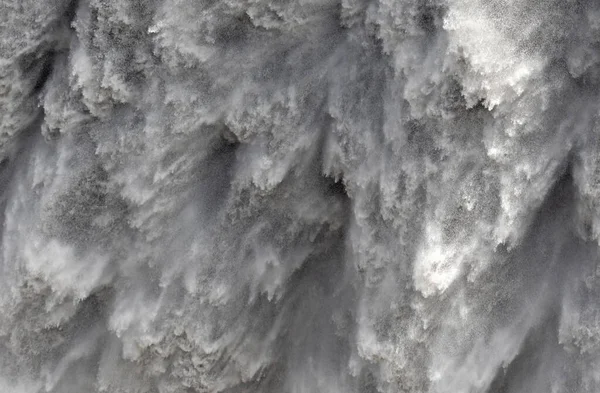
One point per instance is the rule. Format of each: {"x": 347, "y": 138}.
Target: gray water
{"x": 299, "y": 196}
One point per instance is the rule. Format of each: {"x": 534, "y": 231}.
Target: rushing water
{"x": 299, "y": 196}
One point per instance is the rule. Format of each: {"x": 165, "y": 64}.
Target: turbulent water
{"x": 299, "y": 196}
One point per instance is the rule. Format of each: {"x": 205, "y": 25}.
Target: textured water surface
{"x": 299, "y": 196}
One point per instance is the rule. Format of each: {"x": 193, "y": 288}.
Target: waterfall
{"x": 299, "y": 196}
